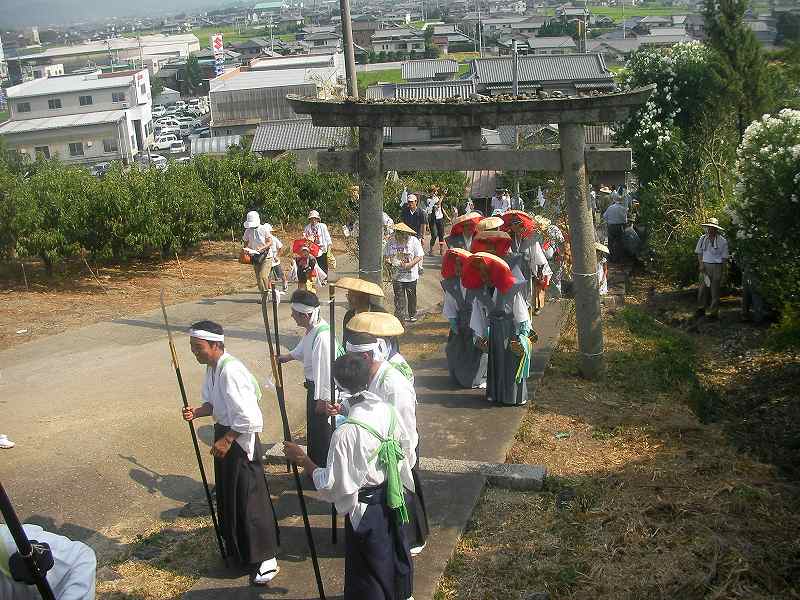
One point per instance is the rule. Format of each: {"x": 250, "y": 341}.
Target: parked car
{"x": 180, "y": 105}
{"x": 164, "y": 142}
{"x": 158, "y": 111}
{"x": 177, "y": 147}
{"x": 176, "y": 131}
{"x": 200, "y": 132}
{"x": 100, "y": 169}
{"x": 171, "y": 110}
{"x": 167, "y": 122}
{"x": 158, "y": 161}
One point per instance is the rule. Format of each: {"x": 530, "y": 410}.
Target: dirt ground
{"x": 674, "y": 476}
{"x": 81, "y": 294}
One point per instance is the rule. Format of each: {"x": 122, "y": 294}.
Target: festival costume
{"x": 320, "y": 235}
{"x": 360, "y": 483}
{"x": 500, "y": 315}
{"x": 246, "y": 517}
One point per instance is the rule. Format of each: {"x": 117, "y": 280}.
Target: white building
{"x": 81, "y": 118}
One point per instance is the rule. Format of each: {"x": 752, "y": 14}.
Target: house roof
{"x": 668, "y": 31}
{"x": 322, "y": 35}
{"x": 67, "y": 84}
{"x": 218, "y": 144}
{"x": 397, "y": 32}
{"x": 429, "y": 89}
{"x": 298, "y": 134}
{"x": 655, "y": 20}
{"x": 622, "y": 46}
{"x": 62, "y": 122}
{"x": 664, "y": 40}
{"x": 551, "y": 42}
{"x": 249, "y": 80}
{"x": 557, "y": 67}
{"x": 428, "y": 69}
{"x": 150, "y": 44}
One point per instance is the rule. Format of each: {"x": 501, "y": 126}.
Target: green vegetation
{"x": 287, "y": 37}
{"x": 368, "y": 78}
{"x": 3, "y": 115}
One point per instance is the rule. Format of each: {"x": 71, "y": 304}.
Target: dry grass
{"x": 643, "y": 499}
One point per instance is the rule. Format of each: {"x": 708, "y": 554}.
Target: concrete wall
{"x": 58, "y": 142}
{"x": 229, "y": 108}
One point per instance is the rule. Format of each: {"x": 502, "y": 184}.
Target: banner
{"x": 219, "y": 54}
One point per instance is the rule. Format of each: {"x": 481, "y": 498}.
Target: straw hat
{"x": 359, "y": 285}
{"x": 500, "y": 274}
{"x": 602, "y": 248}
{"x": 497, "y": 241}
{"x": 470, "y": 216}
{"x": 403, "y": 228}
{"x": 713, "y": 222}
{"x": 605, "y": 190}
{"x": 490, "y": 223}
{"x": 379, "y": 324}
{"x": 518, "y": 215}
{"x": 542, "y": 222}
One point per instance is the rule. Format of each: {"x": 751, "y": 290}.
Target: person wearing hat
{"x": 554, "y": 248}
{"x": 314, "y": 350}
{"x": 501, "y": 203}
{"x": 368, "y": 478}
{"x": 602, "y": 268}
{"x": 317, "y": 232}
{"x": 435, "y": 212}
{"x": 541, "y": 270}
{"x": 404, "y": 254}
{"x": 305, "y": 265}
{"x": 390, "y": 384}
{"x": 463, "y": 230}
{"x": 616, "y": 217}
{"x": 257, "y": 242}
{"x": 231, "y": 395}
{"x": 521, "y": 227}
{"x": 273, "y": 251}
{"x": 492, "y": 223}
{"x": 362, "y": 297}
{"x": 501, "y": 325}
{"x": 712, "y": 254}
{"x": 465, "y": 362}
{"x": 413, "y": 216}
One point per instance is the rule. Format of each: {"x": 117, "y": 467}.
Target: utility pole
{"x": 349, "y": 53}
{"x": 623, "y": 19}
{"x": 515, "y": 91}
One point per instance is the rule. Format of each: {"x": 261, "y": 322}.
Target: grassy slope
{"x": 368, "y": 78}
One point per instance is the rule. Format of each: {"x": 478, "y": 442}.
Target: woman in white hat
{"x": 317, "y": 232}
{"x": 712, "y": 254}
{"x": 257, "y": 243}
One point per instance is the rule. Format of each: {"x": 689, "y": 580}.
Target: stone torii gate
{"x": 371, "y": 162}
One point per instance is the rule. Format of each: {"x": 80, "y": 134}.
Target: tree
{"x": 193, "y": 77}
{"x": 156, "y": 86}
{"x": 788, "y": 28}
{"x": 739, "y": 66}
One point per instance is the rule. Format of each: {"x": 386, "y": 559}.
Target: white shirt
{"x": 314, "y": 349}
{"x": 272, "y": 251}
{"x": 319, "y": 233}
{"x": 593, "y": 199}
{"x": 233, "y": 394}
{"x": 450, "y": 304}
{"x": 351, "y": 465}
{"x": 479, "y": 320}
{"x": 616, "y": 214}
{"x": 715, "y": 252}
{"x": 405, "y": 253}
{"x": 540, "y": 260}
{"x": 602, "y": 281}
{"x": 433, "y": 206}
{"x": 255, "y": 237}
{"x": 72, "y": 576}
{"x": 501, "y": 203}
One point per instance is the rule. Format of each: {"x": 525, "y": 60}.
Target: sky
{"x": 17, "y": 13}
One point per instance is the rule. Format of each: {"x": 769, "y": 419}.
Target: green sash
{"x": 389, "y": 455}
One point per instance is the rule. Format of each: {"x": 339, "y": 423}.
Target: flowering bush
{"x": 765, "y": 212}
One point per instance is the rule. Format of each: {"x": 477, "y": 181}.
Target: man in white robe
{"x": 231, "y": 395}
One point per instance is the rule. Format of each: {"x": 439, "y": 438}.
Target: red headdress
{"x": 496, "y": 242}
{"x": 500, "y": 275}
{"x": 449, "y": 261}
{"x": 298, "y": 245}
{"x": 459, "y": 222}
{"x": 509, "y": 217}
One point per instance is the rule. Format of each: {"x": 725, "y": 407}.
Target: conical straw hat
{"x": 359, "y": 285}
{"x": 379, "y": 324}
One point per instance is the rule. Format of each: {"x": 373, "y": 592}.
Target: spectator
{"x": 318, "y": 233}
{"x": 436, "y": 219}
{"x": 404, "y": 254}
{"x": 306, "y": 269}
{"x": 413, "y": 217}
{"x": 256, "y": 242}
{"x": 712, "y": 253}
{"x": 616, "y": 217}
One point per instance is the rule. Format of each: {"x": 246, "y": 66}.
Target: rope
{"x": 595, "y": 354}
{"x": 585, "y": 274}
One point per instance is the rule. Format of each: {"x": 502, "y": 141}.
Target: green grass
{"x": 287, "y": 37}
{"x": 368, "y": 78}
{"x": 463, "y": 68}
{"x": 3, "y": 115}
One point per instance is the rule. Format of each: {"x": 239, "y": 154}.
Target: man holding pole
{"x": 231, "y": 395}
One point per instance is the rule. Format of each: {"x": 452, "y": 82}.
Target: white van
{"x": 164, "y": 142}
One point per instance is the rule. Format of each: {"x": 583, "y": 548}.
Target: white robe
{"x": 351, "y": 464}
{"x": 72, "y": 576}
{"x": 233, "y": 394}
{"x": 314, "y": 349}
{"x": 320, "y": 235}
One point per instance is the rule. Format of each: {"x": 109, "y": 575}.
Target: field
{"x": 368, "y": 78}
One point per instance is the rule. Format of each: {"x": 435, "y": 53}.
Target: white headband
{"x": 373, "y": 347}
{"x": 202, "y": 334}
{"x": 305, "y": 309}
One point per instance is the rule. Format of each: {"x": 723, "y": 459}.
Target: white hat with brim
{"x": 359, "y": 285}
{"x": 712, "y": 222}
{"x": 605, "y": 190}
{"x": 379, "y": 324}
{"x": 252, "y": 219}
{"x": 313, "y": 215}
{"x": 601, "y": 248}
{"x": 403, "y": 228}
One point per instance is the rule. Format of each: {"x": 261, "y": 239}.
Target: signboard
{"x": 219, "y": 53}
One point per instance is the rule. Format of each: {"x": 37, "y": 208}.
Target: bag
{"x": 244, "y": 257}
{"x": 331, "y": 260}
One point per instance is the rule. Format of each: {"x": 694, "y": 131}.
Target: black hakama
{"x": 246, "y": 515}
{"x": 377, "y": 560}
{"x": 318, "y": 434}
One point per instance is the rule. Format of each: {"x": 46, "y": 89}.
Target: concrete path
{"x": 454, "y": 424}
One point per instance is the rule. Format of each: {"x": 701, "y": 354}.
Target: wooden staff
{"x": 36, "y": 570}
{"x": 286, "y": 431}
{"x": 277, "y": 373}
{"x": 192, "y": 431}
{"x": 332, "y": 297}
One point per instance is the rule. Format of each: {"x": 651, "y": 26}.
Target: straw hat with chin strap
{"x": 490, "y": 223}
{"x": 379, "y": 324}
{"x": 403, "y": 228}
{"x": 359, "y": 285}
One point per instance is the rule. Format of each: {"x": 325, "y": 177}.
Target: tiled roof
{"x": 557, "y": 67}
{"x": 397, "y": 32}
{"x": 298, "y": 134}
{"x": 431, "y": 89}
{"x": 562, "y": 41}
{"x": 428, "y": 69}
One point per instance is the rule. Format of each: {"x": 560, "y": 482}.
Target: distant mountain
{"x": 17, "y": 13}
